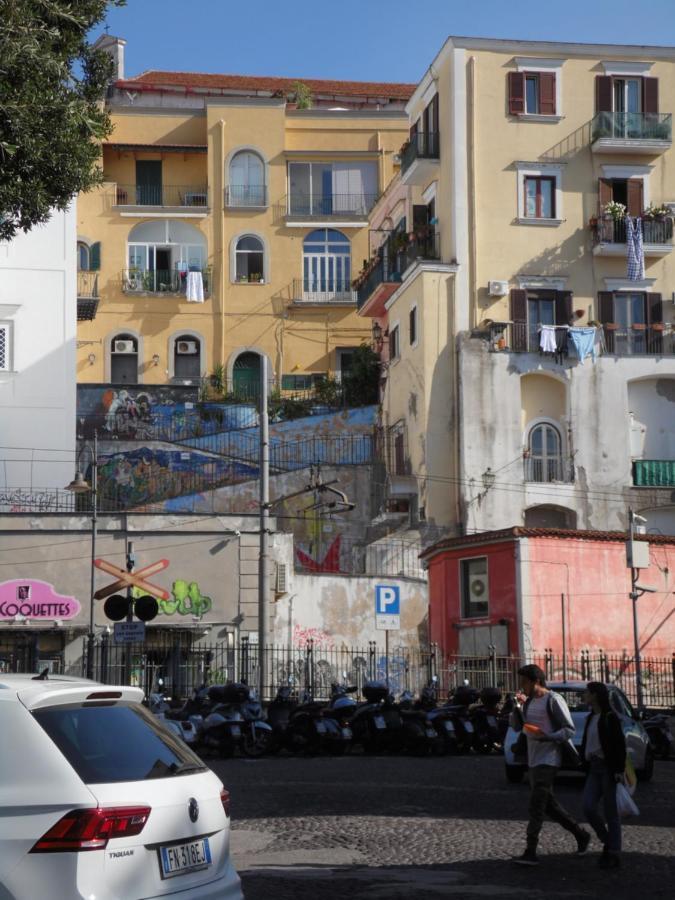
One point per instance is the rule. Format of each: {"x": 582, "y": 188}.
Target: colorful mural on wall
{"x": 131, "y": 411}
{"x": 186, "y": 600}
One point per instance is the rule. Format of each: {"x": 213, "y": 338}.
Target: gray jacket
{"x": 546, "y": 751}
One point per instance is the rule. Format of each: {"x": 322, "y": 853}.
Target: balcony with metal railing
{"x": 246, "y": 196}
{"x": 657, "y": 339}
{"x": 296, "y": 208}
{"x": 87, "y": 295}
{"x": 167, "y": 283}
{"x": 548, "y": 469}
{"x": 610, "y": 236}
{"x": 621, "y": 132}
{"x": 394, "y": 258}
{"x": 419, "y": 158}
{"x": 172, "y": 197}
{"x": 654, "y": 473}
{"x": 329, "y": 291}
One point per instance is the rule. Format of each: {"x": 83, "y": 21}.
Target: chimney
{"x": 114, "y": 47}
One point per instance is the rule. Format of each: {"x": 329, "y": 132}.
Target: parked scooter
{"x": 223, "y": 726}
{"x": 373, "y": 724}
{"x": 458, "y": 708}
{"x": 440, "y": 717}
{"x": 185, "y": 727}
{"x": 309, "y": 731}
{"x": 484, "y": 717}
{"x": 341, "y": 708}
{"x": 657, "y": 727}
{"x": 279, "y": 714}
{"x": 418, "y": 734}
{"x": 256, "y": 735}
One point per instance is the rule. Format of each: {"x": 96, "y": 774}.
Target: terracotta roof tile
{"x": 490, "y": 537}
{"x": 254, "y": 83}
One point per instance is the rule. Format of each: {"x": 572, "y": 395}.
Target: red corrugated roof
{"x": 255, "y": 83}
{"x": 490, "y": 537}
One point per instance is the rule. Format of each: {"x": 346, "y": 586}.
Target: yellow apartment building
{"x": 530, "y": 379}
{"x": 229, "y": 226}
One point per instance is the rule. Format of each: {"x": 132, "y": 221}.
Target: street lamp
{"x": 79, "y": 485}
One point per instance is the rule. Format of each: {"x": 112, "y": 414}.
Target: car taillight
{"x": 225, "y": 800}
{"x": 91, "y": 829}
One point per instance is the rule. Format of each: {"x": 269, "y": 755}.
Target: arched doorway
{"x": 187, "y": 356}
{"x": 124, "y": 359}
{"x": 246, "y": 376}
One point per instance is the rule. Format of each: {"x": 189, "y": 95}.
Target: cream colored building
{"x": 498, "y": 227}
{"x": 229, "y": 226}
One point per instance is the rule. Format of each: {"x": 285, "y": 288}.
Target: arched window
{"x": 187, "y": 356}
{"x": 82, "y": 257}
{"x": 124, "y": 359}
{"x": 326, "y": 266}
{"x": 249, "y": 260}
{"x": 549, "y": 516}
{"x": 160, "y": 254}
{"x": 247, "y": 180}
{"x": 545, "y": 462}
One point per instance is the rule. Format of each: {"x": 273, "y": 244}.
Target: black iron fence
{"x": 188, "y": 195}
{"x": 614, "y": 231}
{"x": 313, "y": 663}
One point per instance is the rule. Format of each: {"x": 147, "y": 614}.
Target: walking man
{"x": 547, "y": 724}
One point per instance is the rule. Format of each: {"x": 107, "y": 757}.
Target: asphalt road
{"x": 395, "y": 828}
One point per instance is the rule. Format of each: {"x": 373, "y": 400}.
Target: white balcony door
{"x": 326, "y": 266}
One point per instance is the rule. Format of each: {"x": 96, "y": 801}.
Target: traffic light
{"x": 146, "y": 608}
{"x": 116, "y": 608}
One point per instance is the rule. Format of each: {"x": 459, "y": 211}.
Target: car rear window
{"x": 573, "y": 699}
{"x": 116, "y": 743}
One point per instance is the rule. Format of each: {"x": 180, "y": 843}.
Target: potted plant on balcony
{"x": 658, "y": 326}
{"x": 656, "y": 212}
{"x": 255, "y": 278}
{"x": 614, "y": 210}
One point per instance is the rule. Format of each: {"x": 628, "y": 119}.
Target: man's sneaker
{"x": 583, "y": 840}
{"x": 529, "y": 858}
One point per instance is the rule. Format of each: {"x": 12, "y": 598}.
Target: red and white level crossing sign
{"x": 131, "y": 579}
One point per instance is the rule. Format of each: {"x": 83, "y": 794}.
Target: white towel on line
{"x": 195, "y": 287}
{"x": 547, "y": 339}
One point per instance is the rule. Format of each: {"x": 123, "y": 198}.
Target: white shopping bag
{"x": 624, "y": 802}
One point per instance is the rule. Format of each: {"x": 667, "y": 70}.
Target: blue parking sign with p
{"x": 387, "y": 600}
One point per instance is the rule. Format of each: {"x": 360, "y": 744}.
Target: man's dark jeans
{"x": 543, "y": 803}
{"x": 600, "y": 784}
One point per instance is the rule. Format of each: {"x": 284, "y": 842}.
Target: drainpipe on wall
{"x": 220, "y": 182}
{"x": 471, "y": 160}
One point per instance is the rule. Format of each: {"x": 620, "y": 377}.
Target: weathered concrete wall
{"x": 335, "y": 612}
{"x": 596, "y": 432}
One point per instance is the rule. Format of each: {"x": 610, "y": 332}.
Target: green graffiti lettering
{"x": 187, "y": 600}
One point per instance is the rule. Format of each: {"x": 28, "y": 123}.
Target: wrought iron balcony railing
{"x": 545, "y": 470}
{"x": 618, "y": 340}
{"x": 171, "y": 195}
{"x": 395, "y": 256}
{"x": 423, "y": 145}
{"x": 245, "y": 195}
{"x": 654, "y": 231}
{"x": 87, "y": 284}
{"x": 632, "y": 126}
{"x": 158, "y": 281}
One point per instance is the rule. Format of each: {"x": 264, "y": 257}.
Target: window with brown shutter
{"x": 606, "y": 317}
{"x": 518, "y": 303}
{"x": 634, "y": 195}
{"x": 603, "y": 93}
{"x": 516, "y": 82}
{"x": 650, "y": 95}
{"x": 654, "y": 317}
{"x": 605, "y": 192}
{"x": 563, "y": 307}
{"x": 547, "y": 93}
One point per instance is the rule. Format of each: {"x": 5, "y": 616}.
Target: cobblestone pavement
{"x": 397, "y": 828}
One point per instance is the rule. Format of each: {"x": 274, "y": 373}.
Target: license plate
{"x": 449, "y": 727}
{"x": 431, "y": 732}
{"x": 379, "y": 722}
{"x": 181, "y": 858}
{"x": 468, "y": 727}
{"x": 321, "y": 727}
{"x": 235, "y": 730}
{"x": 347, "y": 734}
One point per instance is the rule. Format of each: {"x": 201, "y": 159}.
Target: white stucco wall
{"x": 37, "y": 396}
{"x": 596, "y": 429}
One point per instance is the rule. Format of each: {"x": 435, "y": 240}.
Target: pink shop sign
{"x": 34, "y": 599}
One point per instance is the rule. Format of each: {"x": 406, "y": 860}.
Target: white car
{"x": 98, "y": 801}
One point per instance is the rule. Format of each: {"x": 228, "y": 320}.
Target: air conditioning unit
{"x": 396, "y": 159}
{"x": 478, "y": 588}
{"x": 498, "y": 288}
{"x": 281, "y": 580}
{"x": 123, "y": 347}
{"x": 186, "y": 347}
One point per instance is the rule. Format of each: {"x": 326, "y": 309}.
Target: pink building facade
{"x": 519, "y": 589}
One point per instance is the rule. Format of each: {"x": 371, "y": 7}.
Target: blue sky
{"x": 370, "y": 40}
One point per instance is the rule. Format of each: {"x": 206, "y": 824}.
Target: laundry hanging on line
{"x": 635, "y": 247}
{"x": 584, "y": 341}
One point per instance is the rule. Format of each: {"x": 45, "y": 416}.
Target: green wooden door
{"x": 246, "y": 376}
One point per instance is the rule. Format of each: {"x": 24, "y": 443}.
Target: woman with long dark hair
{"x": 604, "y": 752}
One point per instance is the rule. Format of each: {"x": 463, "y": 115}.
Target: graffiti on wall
{"x": 186, "y": 600}
{"x": 130, "y": 412}
{"x": 18, "y": 500}
{"x": 328, "y": 562}
{"x": 149, "y": 475}
{"x": 316, "y": 636}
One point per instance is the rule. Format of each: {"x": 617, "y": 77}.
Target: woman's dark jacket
{"x": 612, "y": 741}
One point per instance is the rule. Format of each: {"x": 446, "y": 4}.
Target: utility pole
{"x": 94, "y": 525}
{"x": 263, "y": 560}
{"x": 131, "y": 560}
{"x": 635, "y": 596}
